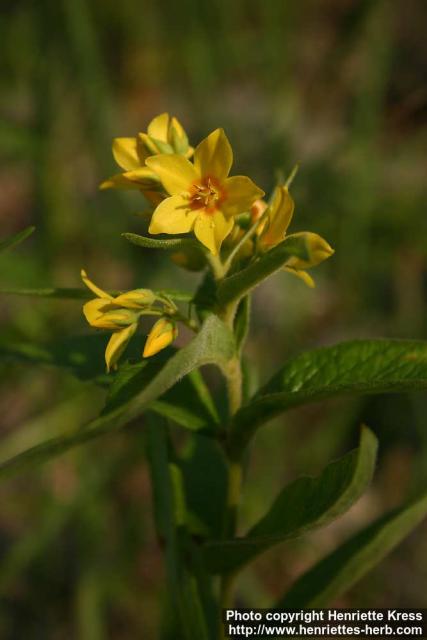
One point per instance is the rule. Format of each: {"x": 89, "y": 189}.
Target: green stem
{"x": 247, "y": 236}
{"x": 234, "y": 384}
{"x": 233, "y": 375}
{"x": 216, "y": 265}
{"x": 228, "y": 313}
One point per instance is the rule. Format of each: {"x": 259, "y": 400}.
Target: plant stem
{"x": 234, "y": 387}
{"x": 228, "y": 314}
{"x": 234, "y": 384}
{"x": 216, "y": 265}
{"x": 247, "y": 236}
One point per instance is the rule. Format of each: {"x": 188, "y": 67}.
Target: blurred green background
{"x": 336, "y": 85}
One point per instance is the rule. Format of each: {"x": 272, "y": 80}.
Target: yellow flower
{"x": 119, "y": 313}
{"x": 278, "y": 218}
{"x": 202, "y": 198}
{"x": 274, "y": 229}
{"x": 163, "y": 332}
{"x": 117, "y": 344}
{"x": 135, "y": 299}
{"x": 164, "y": 135}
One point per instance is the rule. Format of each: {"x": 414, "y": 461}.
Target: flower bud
{"x": 117, "y": 344}
{"x": 136, "y": 299}
{"x": 114, "y": 319}
{"x": 318, "y": 251}
{"x": 279, "y": 218}
{"x": 95, "y": 308}
{"x": 163, "y": 332}
{"x": 93, "y": 287}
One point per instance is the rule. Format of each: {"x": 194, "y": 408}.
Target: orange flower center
{"x": 206, "y": 194}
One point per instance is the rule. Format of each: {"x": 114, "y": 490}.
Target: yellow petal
{"x": 175, "y": 172}
{"x": 173, "y": 215}
{"x": 117, "y": 344}
{"x": 135, "y": 299}
{"x": 177, "y": 137}
{"x": 159, "y": 126}
{"x": 211, "y": 229}
{"x": 318, "y": 249}
{"x": 179, "y": 129}
{"x": 279, "y": 217}
{"x": 213, "y": 156}
{"x": 164, "y": 332}
{"x": 141, "y": 178}
{"x": 94, "y": 309}
{"x": 303, "y": 275}
{"x": 114, "y": 319}
{"x": 126, "y": 154}
{"x": 152, "y": 146}
{"x": 119, "y": 181}
{"x": 141, "y": 147}
{"x": 92, "y": 286}
{"x": 240, "y": 194}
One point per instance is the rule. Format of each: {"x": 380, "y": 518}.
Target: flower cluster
{"x": 121, "y": 314}
{"x": 190, "y": 191}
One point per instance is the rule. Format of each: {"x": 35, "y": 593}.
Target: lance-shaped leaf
{"x": 305, "y": 504}
{"x": 189, "y": 402}
{"x": 82, "y": 355}
{"x": 356, "y": 367}
{"x": 204, "y": 470}
{"x": 17, "y": 238}
{"x": 63, "y": 293}
{"x": 213, "y": 345}
{"x": 339, "y": 571}
{"x": 173, "y": 244}
{"x": 169, "y": 511}
{"x": 236, "y": 286}
{"x": 60, "y": 293}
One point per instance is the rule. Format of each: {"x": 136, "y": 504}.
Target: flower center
{"x": 206, "y": 194}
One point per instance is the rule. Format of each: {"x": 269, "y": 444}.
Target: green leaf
{"x": 236, "y": 286}
{"x": 169, "y": 510}
{"x": 339, "y": 571}
{"x": 51, "y": 292}
{"x": 214, "y": 344}
{"x": 204, "y": 470}
{"x": 305, "y": 504}
{"x": 84, "y": 294}
{"x": 188, "y": 403}
{"x": 17, "y": 238}
{"x": 357, "y": 367}
{"x": 174, "y": 244}
{"x": 82, "y": 355}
